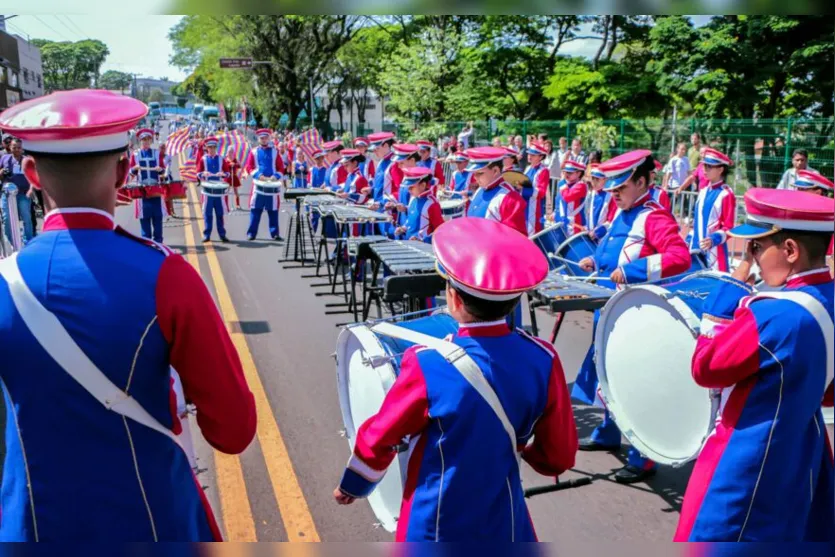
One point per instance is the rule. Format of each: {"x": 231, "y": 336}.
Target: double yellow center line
{"x": 234, "y": 501}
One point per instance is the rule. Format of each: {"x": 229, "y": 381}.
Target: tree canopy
{"x": 71, "y": 65}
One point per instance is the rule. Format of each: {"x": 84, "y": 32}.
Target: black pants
{"x": 39, "y": 199}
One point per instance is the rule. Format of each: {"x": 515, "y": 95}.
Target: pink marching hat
{"x": 480, "y": 157}
{"x": 488, "y": 259}
{"x": 810, "y": 179}
{"x": 403, "y": 150}
{"x": 360, "y": 142}
{"x": 210, "y": 141}
{"x": 74, "y": 122}
{"x": 331, "y": 145}
{"x": 596, "y": 172}
{"x": 511, "y": 152}
{"x": 458, "y": 157}
{"x": 376, "y": 139}
{"x": 348, "y": 155}
{"x": 412, "y": 176}
{"x": 716, "y": 158}
{"x": 619, "y": 169}
{"x": 537, "y": 148}
{"x": 264, "y": 132}
{"x": 423, "y": 144}
{"x": 317, "y": 153}
{"x": 573, "y": 166}
{"x": 769, "y": 211}
{"x": 144, "y": 132}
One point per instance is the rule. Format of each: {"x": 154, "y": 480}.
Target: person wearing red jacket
{"x": 423, "y": 215}
{"x": 434, "y": 165}
{"x": 540, "y": 178}
{"x": 572, "y": 191}
{"x": 464, "y": 478}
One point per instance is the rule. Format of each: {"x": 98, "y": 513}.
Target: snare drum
{"x": 269, "y": 188}
{"x": 548, "y": 241}
{"x": 176, "y": 190}
{"x": 453, "y": 208}
{"x": 649, "y": 390}
{"x": 574, "y": 250}
{"x": 366, "y": 366}
{"x": 154, "y": 190}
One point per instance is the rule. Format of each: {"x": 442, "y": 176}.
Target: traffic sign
{"x": 235, "y": 63}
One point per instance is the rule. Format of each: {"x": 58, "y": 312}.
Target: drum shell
{"x": 176, "y": 190}
{"x": 644, "y": 344}
{"x": 576, "y": 248}
{"x": 548, "y": 241}
{"x": 453, "y": 208}
{"x": 362, "y": 389}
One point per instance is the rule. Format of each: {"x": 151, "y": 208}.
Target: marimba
{"x": 298, "y": 222}
{"x": 561, "y": 294}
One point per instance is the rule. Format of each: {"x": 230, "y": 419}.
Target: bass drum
{"x": 548, "y": 241}
{"x": 367, "y": 365}
{"x": 649, "y": 390}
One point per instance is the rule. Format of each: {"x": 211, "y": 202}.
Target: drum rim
{"x": 363, "y": 332}
{"x": 692, "y": 321}
{"x": 546, "y": 230}
{"x": 568, "y": 240}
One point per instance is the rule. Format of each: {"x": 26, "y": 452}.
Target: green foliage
{"x": 598, "y": 136}
{"x": 71, "y": 65}
{"x": 115, "y": 80}
{"x": 155, "y": 96}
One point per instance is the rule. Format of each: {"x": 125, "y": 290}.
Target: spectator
{"x": 800, "y": 159}
{"x": 7, "y": 145}
{"x": 519, "y": 146}
{"x": 577, "y": 154}
{"x": 694, "y": 154}
{"x": 464, "y": 136}
{"x": 11, "y": 174}
{"x": 678, "y": 169}
{"x": 497, "y": 141}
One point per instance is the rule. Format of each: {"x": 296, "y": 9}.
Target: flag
{"x": 188, "y": 169}
{"x": 310, "y": 141}
{"x": 234, "y": 143}
{"x": 177, "y": 141}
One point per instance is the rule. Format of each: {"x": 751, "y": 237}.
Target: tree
{"x": 155, "y": 96}
{"x": 71, "y": 65}
{"x": 115, "y": 80}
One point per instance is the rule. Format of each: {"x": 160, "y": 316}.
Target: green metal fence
{"x": 761, "y": 149}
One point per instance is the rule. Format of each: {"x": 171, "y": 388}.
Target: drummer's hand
{"x": 399, "y": 230}
{"x": 390, "y": 205}
{"x": 401, "y": 207}
{"x": 592, "y": 235}
{"x": 374, "y": 206}
{"x": 365, "y": 190}
{"x": 743, "y": 271}
{"x": 587, "y": 264}
{"x": 706, "y": 244}
{"x": 414, "y": 238}
{"x": 617, "y": 277}
{"x": 341, "y": 498}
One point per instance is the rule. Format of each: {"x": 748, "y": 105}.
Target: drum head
{"x": 362, "y": 389}
{"x": 643, "y": 348}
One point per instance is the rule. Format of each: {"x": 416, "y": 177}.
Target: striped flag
{"x": 188, "y": 169}
{"x": 310, "y": 141}
{"x": 177, "y": 141}
{"x": 234, "y": 143}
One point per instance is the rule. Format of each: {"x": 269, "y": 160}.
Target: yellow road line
{"x": 235, "y": 510}
{"x": 298, "y": 522}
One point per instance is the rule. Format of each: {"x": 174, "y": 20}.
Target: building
{"x": 10, "y": 91}
{"x": 374, "y": 112}
{"x": 31, "y": 69}
{"x": 142, "y": 87}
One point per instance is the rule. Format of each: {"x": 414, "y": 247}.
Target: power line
{"x": 48, "y": 26}
{"x": 75, "y": 26}
{"x": 67, "y": 27}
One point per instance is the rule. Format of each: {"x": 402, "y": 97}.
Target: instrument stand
{"x": 557, "y": 486}
{"x": 299, "y": 225}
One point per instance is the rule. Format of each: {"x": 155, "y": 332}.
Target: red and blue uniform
{"x": 463, "y": 481}
{"x": 423, "y": 217}
{"x": 572, "y": 204}
{"x": 461, "y": 182}
{"x": 75, "y": 470}
{"x": 500, "y": 202}
{"x": 149, "y": 210}
{"x": 600, "y": 208}
{"x": 214, "y": 198}
{"x": 540, "y": 177}
{"x": 714, "y": 215}
{"x": 660, "y": 196}
{"x": 264, "y": 162}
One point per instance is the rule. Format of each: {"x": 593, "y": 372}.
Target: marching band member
{"x": 659, "y": 194}
{"x": 356, "y": 187}
{"x": 765, "y": 473}
{"x": 381, "y": 145}
{"x": 335, "y": 175}
{"x": 78, "y": 301}
{"x": 462, "y": 180}
{"x": 235, "y": 171}
{"x": 495, "y": 199}
{"x": 466, "y": 457}
{"x": 572, "y": 191}
{"x": 405, "y": 156}
{"x": 715, "y": 212}
{"x": 599, "y": 217}
{"x": 166, "y": 178}
{"x": 430, "y": 162}
{"x": 213, "y": 171}
{"x": 367, "y": 168}
{"x": 148, "y": 165}
{"x": 643, "y": 244}
{"x": 510, "y": 162}
{"x": 540, "y": 177}
{"x": 264, "y": 164}
{"x": 318, "y": 170}
{"x": 423, "y": 215}
{"x": 300, "y": 170}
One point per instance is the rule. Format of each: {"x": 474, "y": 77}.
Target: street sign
{"x": 235, "y": 63}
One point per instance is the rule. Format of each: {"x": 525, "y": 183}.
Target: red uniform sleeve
{"x": 439, "y": 173}
{"x": 436, "y": 216}
{"x": 575, "y": 192}
{"x": 132, "y": 163}
{"x": 512, "y": 212}
{"x": 370, "y": 169}
{"x": 405, "y": 411}
{"x": 226, "y": 169}
{"x": 203, "y": 354}
{"x": 279, "y": 164}
{"x": 671, "y": 256}
{"x": 161, "y": 161}
{"x": 249, "y": 165}
{"x": 341, "y": 175}
{"x": 729, "y": 353}
{"x": 554, "y": 445}
{"x": 664, "y": 200}
{"x": 201, "y": 165}
{"x": 543, "y": 180}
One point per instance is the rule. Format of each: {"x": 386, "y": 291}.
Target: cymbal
{"x": 517, "y": 179}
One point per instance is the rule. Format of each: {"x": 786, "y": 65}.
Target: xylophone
{"x": 298, "y": 193}
{"x": 561, "y": 294}
{"x": 412, "y": 276}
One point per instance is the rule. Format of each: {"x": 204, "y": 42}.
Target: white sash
{"x": 57, "y": 342}
{"x": 465, "y": 365}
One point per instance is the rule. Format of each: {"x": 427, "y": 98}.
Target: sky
{"x": 138, "y": 42}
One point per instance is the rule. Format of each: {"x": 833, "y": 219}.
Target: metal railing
{"x": 14, "y": 241}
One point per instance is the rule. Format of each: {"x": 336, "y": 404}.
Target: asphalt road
{"x": 281, "y": 487}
